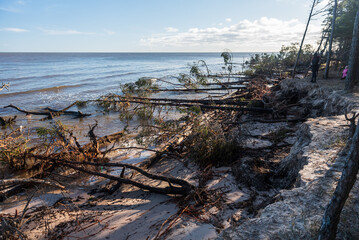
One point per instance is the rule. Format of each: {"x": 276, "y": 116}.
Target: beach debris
{"x": 7, "y": 121}
{"x": 12, "y": 181}
{"x": 51, "y": 112}
{"x": 184, "y": 187}
{"x": 5, "y": 86}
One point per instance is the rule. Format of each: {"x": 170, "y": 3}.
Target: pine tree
{"x": 353, "y": 72}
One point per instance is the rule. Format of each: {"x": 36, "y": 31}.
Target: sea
{"x": 39, "y": 80}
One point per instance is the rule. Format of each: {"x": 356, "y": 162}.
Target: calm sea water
{"x": 58, "y": 79}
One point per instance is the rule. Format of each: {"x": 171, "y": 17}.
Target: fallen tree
{"x": 198, "y": 89}
{"x": 187, "y": 105}
{"x": 184, "y": 188}
{"x": 50, "y": 112}
{"x": 12, "y": 181}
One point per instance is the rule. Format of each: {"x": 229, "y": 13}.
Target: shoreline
{"x": 141, "y": 214}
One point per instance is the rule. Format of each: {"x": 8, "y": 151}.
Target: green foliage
{"x": 263, "y": 64}
{"x": 288, "y": 55}
{"x": 267, "y": 64}
{"x": 209, "y": 146}
{"x": 227, "y": 59}
{"x": 187, "y": 80}
{"x": 45, "y": 133}
{"x": 12, "y": 149}
{"x": 50, "y": 135}
{"x": 114, "y": 102}
{"x": 344, "y": 24}
{"x": 142, "y": 87}
{"x": 145, "y": 113}
{"x": 196, "y": 75}
{"x": 346, "y": 12}
{"x": 81, "y": 104}
{"x": 196, "y": 72}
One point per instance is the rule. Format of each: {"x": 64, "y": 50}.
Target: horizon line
{"x": 135, "y": 52}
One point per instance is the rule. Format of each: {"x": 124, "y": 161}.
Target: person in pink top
{"x": 345, "y": 71}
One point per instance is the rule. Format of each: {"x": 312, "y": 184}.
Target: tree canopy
{"x": 346, "y": 12}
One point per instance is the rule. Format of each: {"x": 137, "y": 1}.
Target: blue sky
{"x": 153, "y": 25}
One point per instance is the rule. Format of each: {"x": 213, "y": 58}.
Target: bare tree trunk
{"x": 305, "y": 33}
{"x": 326, "y": 73}
{"x": 325, "y": 36}
{"x": 332, "y": 213}
{"x": 353, "y": 74}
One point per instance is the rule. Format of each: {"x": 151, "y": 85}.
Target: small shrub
{"x": 209, "y": 146}
{"x": 279, "y": 135}
{"x": 142, "y": 87}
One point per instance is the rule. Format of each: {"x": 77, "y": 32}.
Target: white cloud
{"x": 109, "y": 32}
{"x": 228, "y": 20}
{"x": 17, "y": 30}
{"x": 14, "y": 7}
{"x": 264, "y": 34}
{"x": 321, "y": 5}
{"x": 171, "y": 29}
{"x": 64, "y": 32}
{"x": 9, "y": 9}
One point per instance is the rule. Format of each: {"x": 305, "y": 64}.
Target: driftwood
{"x": 268, "y": 121}
{"x": 227, "y": 83}
{"x": 20, "y": 186}
{"x": 51, "y": 112}
{"x": 12, "y": 181}
{"x": 202, "y": 107}
{"x": 196, "y": 89}
{"x": 226, "y": 76}
{"x": 7, "y": 121}
{"x": 201, "y": 101}
{"x": 4, "y": 86}
{"x": 184, "y": 188}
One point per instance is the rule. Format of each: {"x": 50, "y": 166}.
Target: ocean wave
{"x": 40, "y": 77}
{"x": 50, "y": 89}
{"x": 135, "y": 73}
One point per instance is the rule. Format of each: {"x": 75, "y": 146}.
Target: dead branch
{"x": 171, "y": 221}
{"x": 7, "y": 121}
{"x": 201, "y": 101}
{"x": 21, "y": 186}
{"x": 5, "y": 86}
{"x": 77, "y": 114}
{"x": 183, "y": 190}
{"x": 268, "y": 121}
{"x": 50, "y": 112}
{"x": 203, "y": 107}
{"x": 227, "y": 83}
{"x": 171, "y": 180}
{"x": 226, "y": 76}
{"x": 352, "y": 122}
{"x": 195, "y": 89}
{"x": 11, "y": 181}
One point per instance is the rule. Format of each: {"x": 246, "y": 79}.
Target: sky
{"x": 154, "y": 25}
